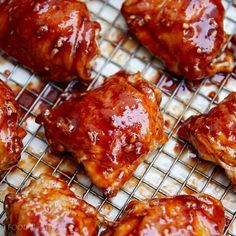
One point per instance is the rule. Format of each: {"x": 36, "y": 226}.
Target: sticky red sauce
{"x": 218, "y": 127}
{"x": 187, "y": 46}
{"x": 62, "y": 35}
{"x": 11, "y": 134}
{"x": 47, "y": 206}
{"x": 111, "y": 124}
{"x": 197, "y": 215}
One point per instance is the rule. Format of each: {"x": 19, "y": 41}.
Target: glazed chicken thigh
{"x": 174, "y": 216}
{"x": 48, "y": 207}
{"x": 11, "y": 134}
{"x": 214, "y": 135}
{"x": 110, "y": 129}
{"x": 187, "y": 35}
{"x": 55, "y": 39}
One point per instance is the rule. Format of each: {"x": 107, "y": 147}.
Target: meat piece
{"x": 54, "y": 38}
{"x": 110, "y": 129}
{"x": 48, "y": 207}
{"x": 214, "y": 135}
{"x": 180, "y": 215}
{"x": 11, "y": 134}
{"x": 187, "y": 35}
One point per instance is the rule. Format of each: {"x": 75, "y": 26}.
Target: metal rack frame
{"x": 140, "y": 178}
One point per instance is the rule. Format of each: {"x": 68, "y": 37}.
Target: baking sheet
{"x": 173, "y": 169}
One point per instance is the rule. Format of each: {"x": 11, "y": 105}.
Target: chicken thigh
{"x": 214, "y": 135}
{"x": 110, "y": 129}
{"x": 48, "y": 207}
{"x": 173, "y": 216}
{"x": 187, "y": 35}
{"x": 55, "y": 39}
{"x": 11, "y": 134}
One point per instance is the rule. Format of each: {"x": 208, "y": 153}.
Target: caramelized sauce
{"x": 47, "y": 206}
{"x": 11, "y": 134}
{"x": 179, "y": 215}
{"x": 186, "y": 35}
{"x": 55, "y": 40}
{"x": 113, "y": 127}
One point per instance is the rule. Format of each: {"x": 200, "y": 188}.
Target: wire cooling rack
{"x": 173, "y": 169}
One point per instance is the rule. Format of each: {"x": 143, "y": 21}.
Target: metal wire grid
{"x": 169, "y": 171}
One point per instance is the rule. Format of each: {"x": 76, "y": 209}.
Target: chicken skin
{"x": 187, "y": 35}
{"x": 110, "y": 129}
{"x": 214, "y": 135}
{"x": 55, "y": 39}
{"x": 173, "y": 216}
{"x": 48, "y": 207}
{"x": 11, "y": 134}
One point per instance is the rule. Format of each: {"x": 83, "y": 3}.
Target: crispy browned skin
{"x": 54, "y": 38}
{"x": 214, "y": 135}
{"x": 110, "y": 129}
{"x": 48, "y": 207}
{"x": 11, "y": 134}
{"x": 174, "y": 216}
{"x": 187, "y": 35}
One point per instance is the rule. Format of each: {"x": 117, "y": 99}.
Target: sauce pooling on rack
{"x": 11, "y": 134}
{"x": 48, "y": 207}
